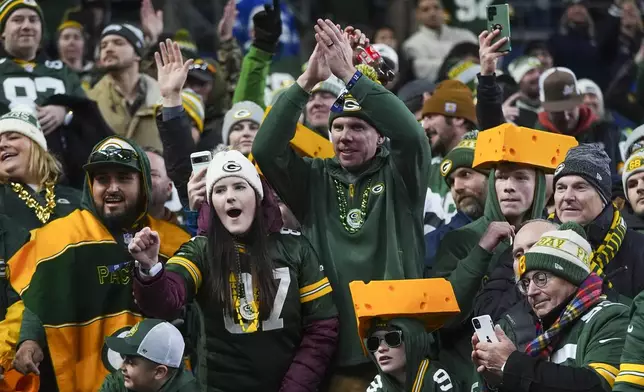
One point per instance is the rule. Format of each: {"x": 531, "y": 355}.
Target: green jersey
{"x": 468, "y": 14}
{"x": 238, "y": 358}
{"x": 631, "y": 370}
{"x": 431, "y": 377}
{"x": 439, "y": 203}
{"x": 30, "y": 83}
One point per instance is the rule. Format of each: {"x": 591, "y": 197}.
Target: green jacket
{"x": 423, "y": 373}
{"x": 252, "y": 79}
{"x": 463, "y": 262}
{"x": 183, "y": 381}
{"x": 12, "y": 237}
{"x": 390, "y": 243}
{"x": 439, "y": 203}
{"x": 595, "y": 341}
{"x": 67, "y": 200}
{"x": 631, "y": 371}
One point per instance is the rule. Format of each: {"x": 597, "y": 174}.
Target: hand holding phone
{"x": 484, "y": 329}
{"x": 498, "y": 19}
{"x": 200, "y": 160}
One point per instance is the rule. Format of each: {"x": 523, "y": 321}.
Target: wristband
{"x": 152, "y": 271}
{"x": 338, "y": 105}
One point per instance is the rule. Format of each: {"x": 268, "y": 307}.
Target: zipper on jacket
{"x": 351, "y": 190}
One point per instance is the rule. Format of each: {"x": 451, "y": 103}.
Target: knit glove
{"x": 268, "y": 27}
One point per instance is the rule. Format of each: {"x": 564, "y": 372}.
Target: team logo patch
{"x": 635, "y": 163}
{"x": 115, "y": 143}
{"x": 378, "y": 188}
{"x": 133, "y": 330}
{"x": 450, "y": 107}
{"x": 568, "y": 90}
{"x": 599, "y": 177}
{"x": 231, "y": 167}
{"x": 522, "y": 267}
{"x": 111, "y": 359}
{"x": 446, "y": 166}
{"x": 62, "y": 201}
{"x": 354, "y": 219}
{"x": 242, "y": 113}
{"x": 29, "y": 2}
{"x": 559, "y": 168}
{"x": 351, "y": 104}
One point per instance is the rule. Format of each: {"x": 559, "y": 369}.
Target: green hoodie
{"x": 391, "y": 190}
{"x": 183, "y": 381}
{"x": 423, "y": 374}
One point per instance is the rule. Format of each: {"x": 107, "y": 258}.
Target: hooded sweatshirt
{"x": 75, "y": 276}
{"x": 423, "y": 374}
{"x": 183, "y": 381}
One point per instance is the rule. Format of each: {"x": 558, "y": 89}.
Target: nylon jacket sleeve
{"x": 287, "y": 172}
{"x": 523, "y": 373}
{"x": 252, "y": 80}
{"x": 176, "y": 138}
{"x": 499, "y": 293}
{"x": 489, "y": 100}
{"x": 162, "y": 297}
{"x": 408, "y": 142}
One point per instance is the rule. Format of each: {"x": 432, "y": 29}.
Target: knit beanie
{"x": 590, "y": 162}
{"x": 332, "y": 85}
{"x": 452, "y": 99}
{"x": 412, "y": 93}
{"x": 7, "y": 7}
{"x": 241, "y": 111}
{"x": 461, "y": 156}
{"x": 465, "y": 72}
{"x": 70, "y": 24}
{"x": 22, "y": 119}
{"x": 194, "y": 107}
{"x": 131, "y": 33}
{"x": 565, "y": 253}
{"x": 232, "y": 163}
{"x": 636, "y": 136}
{"x": 520, "y": 66}
{"x": 351, "y": 108}
{"x": 634, "y": 165}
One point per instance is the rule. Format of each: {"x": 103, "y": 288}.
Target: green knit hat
{"x": 351, "y": 108}
{"x": 565, "y": 253}
{"x": 7, "y": 7}
{"x": 461, "y": 156}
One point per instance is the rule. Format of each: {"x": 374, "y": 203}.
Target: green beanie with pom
{"x": 460, "y": 156}
{"x": 564, "y": 252}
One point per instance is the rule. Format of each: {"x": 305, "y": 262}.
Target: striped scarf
{"x": 588, "y": 295}
{"x": 610, "y": 245}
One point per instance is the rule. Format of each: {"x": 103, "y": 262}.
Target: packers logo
{"x": 111, "y": 359}
{"x": 446, "y": 166}
{"x": 242, "y": 113}
{"x": 378, "y": 188}
{"x": 115, "y": 143}
{"x": 351, "y": 104}
{"x": 354, "y": 219}
{"x": 559, "y": 168}
{"x": 30, "y": 2}
{"x": 521, "y": 267}
{"x": 231, "y": 167}
{"x": 634, "y": 164}
{"x": 133, "y": 330}
{"x": 467, "y": 144}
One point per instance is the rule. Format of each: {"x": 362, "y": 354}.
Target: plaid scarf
{"x": 588, "y": 295}
{"x": 609, "y": 247}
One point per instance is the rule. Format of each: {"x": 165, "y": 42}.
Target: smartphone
{"x": 498, "y": 18}
{"x": 484, "y": 329}
{"x": 200, "y": 160}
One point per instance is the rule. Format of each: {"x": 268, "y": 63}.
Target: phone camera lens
{"x": 498, "y": 27}
{"x": 477, "y": 324}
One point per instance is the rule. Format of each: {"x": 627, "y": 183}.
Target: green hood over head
{"x": 493, "y": 208}
{"x": 419, "y": 344}
{"x": 111, "y": 156}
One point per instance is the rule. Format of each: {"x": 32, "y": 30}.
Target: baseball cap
{"x": 202, "y": 71}
{"x": 113, "y": 151}
{"x": 153, "y": 339}
{"x": 558, "y": 90}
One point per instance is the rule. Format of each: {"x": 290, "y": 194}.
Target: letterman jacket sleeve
{"x": 631, "y": 369}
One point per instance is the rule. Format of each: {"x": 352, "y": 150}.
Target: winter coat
{"x": 183, "y": 381}
{"x": 389, "y": 244}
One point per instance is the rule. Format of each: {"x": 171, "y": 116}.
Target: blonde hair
{"x": 42, "y": 165}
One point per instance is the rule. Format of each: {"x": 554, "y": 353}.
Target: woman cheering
{"x": 269, "y": 319}
{"x": 29, "y": 174}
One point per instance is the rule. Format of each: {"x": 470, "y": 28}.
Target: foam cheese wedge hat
{"x": 511, "y": 143}
{"x": 430, "y": 300}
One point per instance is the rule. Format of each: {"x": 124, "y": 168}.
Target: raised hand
{"x": 145, "y": 248}
{"x": 50, "y": 117}
{"x": 227, "y": 22}
{"x": 172, "y": 71}
{"x": 267, "y": 26}
{"x": 336, "y": 47}
{"x": 28, "y": 357}
{"x": 509, "y": 108}
{"x": 488, "y": 52}
{"x": 197, "y": 189}
{"x": 151, "y": 20}
{"x": 495, "y": 233}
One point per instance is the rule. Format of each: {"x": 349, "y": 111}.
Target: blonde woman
{"x": 29, "y": 189}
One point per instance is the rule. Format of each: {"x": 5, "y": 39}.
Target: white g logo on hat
{"x": 242, "y": 113}
{"x": 446, "y": 165}
{"x": 231, "y": 167}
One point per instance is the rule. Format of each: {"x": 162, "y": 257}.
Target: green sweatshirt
{"x": 183, "y": 381}
{"x": 252, "y": 79}
{"x": 422, "y": 372}
{"x": 391, "y": 190}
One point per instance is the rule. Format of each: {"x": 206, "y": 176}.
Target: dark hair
{"x": 469, "y": 126}
{"x": 222, "y": 261}
{"x": 456, "y": 54}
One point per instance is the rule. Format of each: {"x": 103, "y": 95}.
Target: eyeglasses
{"x": 113, "y": 154}
{"x": 540, "y": 279}
{"x": 392, "y": 339}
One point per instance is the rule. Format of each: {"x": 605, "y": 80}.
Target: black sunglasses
{"x": 113, "y": 154}
{"x": 392, "y": 339}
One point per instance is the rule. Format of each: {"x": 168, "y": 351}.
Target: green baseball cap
{"x": 153, "y": 339}
{"x": 113, "y": 151}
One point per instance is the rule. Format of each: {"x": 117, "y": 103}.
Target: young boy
{"x": 152, "y": 360}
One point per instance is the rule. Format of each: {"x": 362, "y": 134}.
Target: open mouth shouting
{"x": 234, "y": 212}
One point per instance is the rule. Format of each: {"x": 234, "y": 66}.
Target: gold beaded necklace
{"x": 247, "y": 311}
{"x": 353, "y": 219}
{"x": 43, "y": 213}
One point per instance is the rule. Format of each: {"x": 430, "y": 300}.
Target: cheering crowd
{"x": 463, "y": 191}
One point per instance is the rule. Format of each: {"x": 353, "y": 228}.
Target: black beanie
{"x": 590, "y": 162}
{"x": 131, "y": 33}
